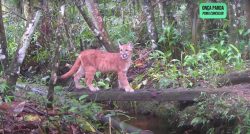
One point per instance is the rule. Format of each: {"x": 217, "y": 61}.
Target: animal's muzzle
{"x": 124, "y": 56}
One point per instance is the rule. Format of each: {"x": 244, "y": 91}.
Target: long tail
{"x": 73, "y": 69}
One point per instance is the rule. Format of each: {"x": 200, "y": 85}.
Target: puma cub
{"x": 90, "y": 61}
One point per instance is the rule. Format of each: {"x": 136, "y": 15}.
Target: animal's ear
{"x": 119, "y": 44}
{"x": 130, "y": 45}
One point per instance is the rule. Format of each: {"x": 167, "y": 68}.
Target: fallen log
{"x": 180, "y": 94}
{"x": 124, "y": 127}
{"x": 235, "y": 78}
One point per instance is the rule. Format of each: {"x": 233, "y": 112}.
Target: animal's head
{"x": 126, "y": 51}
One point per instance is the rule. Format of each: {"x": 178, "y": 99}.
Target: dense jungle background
{"x": 174, "y": 50}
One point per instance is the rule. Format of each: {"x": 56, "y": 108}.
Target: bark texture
{"x": 149, "y": 95}
{"x": 231, "y": 18}
{"x": 247, "y": 11}
{"x": 14, "y": 69}
{"x": 235, "y": 78}
{"x": 195, "y": 23}
{"x": 162, "y": 13}
{"x": 152, "y": 31}
{"x": 46, "y": 26}
{"x": 120, "y": 125}
{"x": 96, "y": 24}
{"x": 246, "y": 54}
{"x": 3, "y": 42}
{"x": 56, "y": 58}
{"x": 28, "y": 10}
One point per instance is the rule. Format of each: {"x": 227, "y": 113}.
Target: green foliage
{"x": 163, "y": 72}
{"x": 78, "y": 106}
{"x": 202, "y": 66}
{"x": 207, "y": 65}
{"x": 3, "y": 87}
{"x": 85, "y": 34}
{"x": 119, "y": 30}
{"x": 160, "y": 56}
{"x": 72, "y": 110}
{"x": 170, "y": 39}
{"x": 41, "y": 55}
{"x": 102, "y": 81}
{"x": 226, "y": 53}
{"x": 71, "y": 12}
{"x": 195, "y": 65}
{"x": 84, "y": 111}
{"x": 5, "y": 91}
{"x": 229, "y": 111}
{"x": 14, "y": 29}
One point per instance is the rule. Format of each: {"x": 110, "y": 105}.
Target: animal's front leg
{"x": 123, "y": 82}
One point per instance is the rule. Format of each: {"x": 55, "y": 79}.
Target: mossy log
{"x": 235, "y": 78}
{"x": 171, "y": 94}
{"x": 124, "y": 127}
{"x": 148, "y": 95}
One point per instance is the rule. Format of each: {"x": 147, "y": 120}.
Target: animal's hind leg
{"x": 119, "y": 84}
{"x": 79, "y": 74}
{"x": 89, "y": 77}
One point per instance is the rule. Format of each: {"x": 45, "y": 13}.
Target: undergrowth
{"x": 217, "y": 114}
{"x": 69, "y": 110}
{"x": 193, "y": 66}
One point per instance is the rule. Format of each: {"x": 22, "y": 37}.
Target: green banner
{"x": 213, "y": 10}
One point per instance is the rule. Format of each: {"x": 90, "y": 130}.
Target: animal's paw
{"x": 97, "y": 89}
{"x": 129, "y": 90}
{"x": 93, "y": 89}
{"x": 79, "y": 86}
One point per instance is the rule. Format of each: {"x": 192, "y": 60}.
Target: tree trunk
{"x": 28, "y": 10}
{"x": 138, "y": 5}
{"x": 162, "y": 14}
{"x": 14, "y": 70}
{"x": 152, "y": 31}
{"x": 2, "y": 2}
{"x": 56, "y": 59}
{"x": 195, "y": 23}
{"x": 133, "y": 8}
{"x": 71, "y": 46}
{"x": 238, "y": 11}
{"x": 46, "y": 26}
{"x": 3, "y": 43}
{"x": 99, "y": 29}
{"x": 231, "y": 18}
{"x": 246, "y": 54}
{"x": 19, "y": 6}
{"x": 247, "y": 11}
{"x": 170, "y": 14}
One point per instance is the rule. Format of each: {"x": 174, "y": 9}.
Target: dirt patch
{"x": 243, "y": 90}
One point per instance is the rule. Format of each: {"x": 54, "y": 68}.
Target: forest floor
{"x": 26, "y": 116}
{"x": 242, "y": 90}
